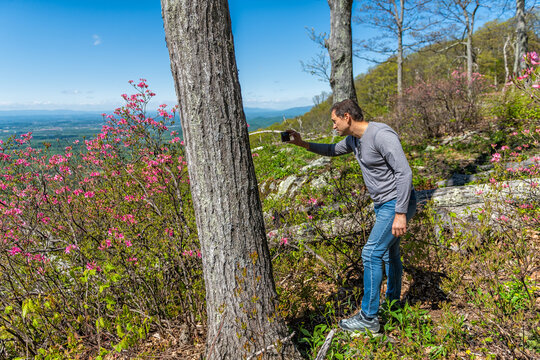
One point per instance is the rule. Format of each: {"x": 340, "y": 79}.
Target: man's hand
{"x": 399, "y": 227}
{"x": 297, "y": 139}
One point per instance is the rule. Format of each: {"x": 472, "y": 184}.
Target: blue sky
{"x": 79, "y": 55}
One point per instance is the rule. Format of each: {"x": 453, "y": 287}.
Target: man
{"x": 388, "y": 178}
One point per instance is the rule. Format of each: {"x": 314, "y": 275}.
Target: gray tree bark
{"x": 469, "y": 46}
{"x": 521, "y": 37}
{"x": 400, "y": 12}
{"x": 469, "y": 18}
{"x": 240, "y": 292}
{"x": 339, "y": 47}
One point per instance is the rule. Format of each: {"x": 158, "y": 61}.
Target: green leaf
{"x": 119, "y": 331}
{"x": 26, "y": 307}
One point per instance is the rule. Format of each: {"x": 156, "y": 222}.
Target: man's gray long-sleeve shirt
{"x": 385, "y": 168}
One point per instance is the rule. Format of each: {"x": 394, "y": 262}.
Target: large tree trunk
{"x": 521, "y": 37}
{"x": 240, "y": 291}
{"x": 339, "y": 47}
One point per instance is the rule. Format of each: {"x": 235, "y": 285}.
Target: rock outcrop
{"x": 452, "y": 204}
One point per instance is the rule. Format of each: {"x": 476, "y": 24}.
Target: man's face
{"x": 341, "y": 124}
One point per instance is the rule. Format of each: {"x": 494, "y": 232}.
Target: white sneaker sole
{"x": 356, "y": 334}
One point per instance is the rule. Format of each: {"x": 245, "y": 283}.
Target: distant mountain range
{"x": 12, "y": 121}
{"x": 251, "y": 113}
{"x": 258, "y": 112}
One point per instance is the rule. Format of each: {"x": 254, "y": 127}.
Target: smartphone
{"x": 285, "y": 136}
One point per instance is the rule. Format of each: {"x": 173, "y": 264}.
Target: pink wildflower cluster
{"x": 529, "y": 77}
{"x": 496, "y": 157}
{"x": 93, "y": 266}
{"x": 69, "y": 248}
{"x": 192, "y": 253}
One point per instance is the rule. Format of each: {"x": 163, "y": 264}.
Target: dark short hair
{"x": 350, "y": 107}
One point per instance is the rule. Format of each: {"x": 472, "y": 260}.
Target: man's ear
{"x": 348, "y": 118}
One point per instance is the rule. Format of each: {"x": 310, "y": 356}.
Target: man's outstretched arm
{"x": 339, "y": 148}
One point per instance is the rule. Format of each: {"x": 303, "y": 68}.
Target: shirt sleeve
{"x": 388, "y": 144}
{"x": 340, "y": 148}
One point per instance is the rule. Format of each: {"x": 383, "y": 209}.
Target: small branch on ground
{"x": 326, "y": 345}
{"x": 273, "y": 346}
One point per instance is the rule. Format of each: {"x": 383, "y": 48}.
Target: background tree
{"x": 240, "y": 291}
{"x": 394, "y": 19}
{"x": 521, "y": 36}
{"x": 339, "y": 46}
{"x": 462, "y": 12}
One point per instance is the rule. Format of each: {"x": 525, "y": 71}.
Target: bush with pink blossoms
{"x": 92, "y": 241}
{"x": 440, "y": 106}
{"x": 492, "y": 255}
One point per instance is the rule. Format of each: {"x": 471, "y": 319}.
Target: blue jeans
{"x": 383, "y": 246}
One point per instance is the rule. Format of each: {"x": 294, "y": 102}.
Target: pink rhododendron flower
{"x": 92, "y": 265}
{"x": 69, "y": 248}
{"x": 533, "y": 58}
{"x": 14, "y": 211}
{"x": 14, "y": 250}
{"x": 284, "y": 241}
{"x": 496, "y": 157}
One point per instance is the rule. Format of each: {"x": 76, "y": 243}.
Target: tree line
{"x": 406, "y": 26}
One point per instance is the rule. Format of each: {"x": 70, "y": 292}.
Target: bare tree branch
{"x": 319, "y": 66}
